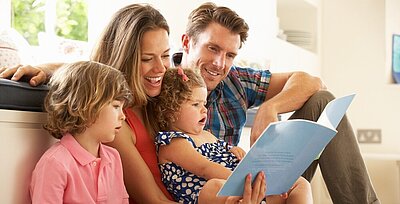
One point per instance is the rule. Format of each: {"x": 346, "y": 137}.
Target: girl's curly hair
{"x": 78, "y": 92}
{"x": 174, "y": 91}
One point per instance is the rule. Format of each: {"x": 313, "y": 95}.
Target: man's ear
{"x": 185, "y": 43}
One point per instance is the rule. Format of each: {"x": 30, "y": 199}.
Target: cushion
{"x": 19, "y": 95}
{"x": 55, "y": 48}
{"x": 14, "y": 49}
{"x": 9, "y": 55}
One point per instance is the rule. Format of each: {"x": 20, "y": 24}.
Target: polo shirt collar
{"x": 81, "y": 155}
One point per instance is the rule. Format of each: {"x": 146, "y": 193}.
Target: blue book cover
{"x": 286, "y": 148}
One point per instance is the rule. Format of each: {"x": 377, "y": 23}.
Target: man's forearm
{"x": 289, "y": 93}
{"x": 49, "y": 68}
{"x": 299, "y": 87}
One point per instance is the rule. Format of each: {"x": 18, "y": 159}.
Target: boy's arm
{"x": 37, "y": 75}
{"x": 182, "y": 153}
{"x": 48, "y": 182}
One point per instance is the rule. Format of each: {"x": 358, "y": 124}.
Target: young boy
{"x": 84, "y": 107}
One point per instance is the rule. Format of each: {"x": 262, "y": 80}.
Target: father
{"x": 213, "y": 38}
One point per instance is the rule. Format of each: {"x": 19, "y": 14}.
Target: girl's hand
{"x": 238, "y": 152}
{"x": 286, "y": 195}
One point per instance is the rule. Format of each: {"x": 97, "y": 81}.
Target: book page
{"x": 334, "y": 111}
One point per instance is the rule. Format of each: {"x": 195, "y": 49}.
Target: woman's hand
{"x": 238, "y": 152}
{"x": 252, "y": 194}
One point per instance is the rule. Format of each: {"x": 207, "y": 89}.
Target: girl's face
{"x": 193, "y": 113}
{"x": 108, "y": 123}
{"x": 154, "y": 60}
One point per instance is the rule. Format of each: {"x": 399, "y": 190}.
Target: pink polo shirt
{"x": 67, "y": 173}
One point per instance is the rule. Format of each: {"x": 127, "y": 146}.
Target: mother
{"x": 136, "y": 42}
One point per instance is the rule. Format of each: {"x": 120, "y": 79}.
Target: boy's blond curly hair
{"x": 78, "y": 92}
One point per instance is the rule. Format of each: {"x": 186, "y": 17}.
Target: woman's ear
{"x": 185, "y": 43}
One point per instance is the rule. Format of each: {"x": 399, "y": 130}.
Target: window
{"x": 63, "y": 18}
{"x": 28, "y": 19}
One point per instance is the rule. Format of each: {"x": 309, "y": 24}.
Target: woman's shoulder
{"x": 111, "y": 153}
{"x": 109, "y": 150}
{"x": 125, "y": 138}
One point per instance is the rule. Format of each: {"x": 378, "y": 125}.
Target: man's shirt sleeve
{"x": 255, "y": 83}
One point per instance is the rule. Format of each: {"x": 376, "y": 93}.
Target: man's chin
{"x": 211, "y": 86}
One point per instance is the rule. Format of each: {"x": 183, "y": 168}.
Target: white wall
{"x": 355, "y": 59}
{"x": 356, "y": 55}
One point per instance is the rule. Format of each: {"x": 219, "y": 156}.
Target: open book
{"x": 286, "y": 148}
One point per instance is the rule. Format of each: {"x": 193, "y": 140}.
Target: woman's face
{"x": 154, "y": 60}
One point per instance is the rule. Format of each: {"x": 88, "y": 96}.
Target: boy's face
{"x": 108, "y": 123}
{"x": 193, "y": 113}
{"x": 213, "y": 53}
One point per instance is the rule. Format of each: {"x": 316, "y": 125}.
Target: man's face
{"x": 213, "y": 53}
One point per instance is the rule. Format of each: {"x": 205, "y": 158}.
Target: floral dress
{"x": 184, "y": 185}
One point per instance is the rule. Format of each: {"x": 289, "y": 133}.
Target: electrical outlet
{"x": 369, "y": 136}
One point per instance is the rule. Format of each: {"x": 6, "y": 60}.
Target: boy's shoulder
{"x": 56, "y": 154}
{"x": 56, "y": 150}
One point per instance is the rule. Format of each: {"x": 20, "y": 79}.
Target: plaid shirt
{"x": 227, "y": 104}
